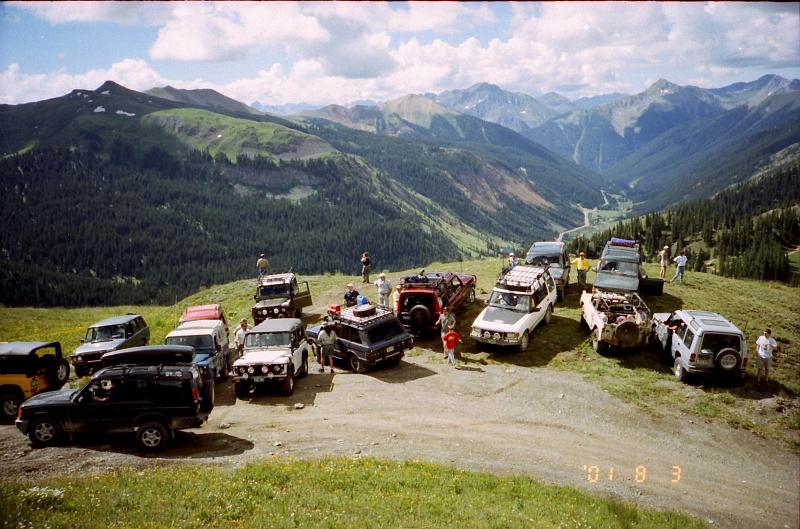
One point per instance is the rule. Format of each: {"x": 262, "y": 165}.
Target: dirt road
{"x": 497, "y": 418}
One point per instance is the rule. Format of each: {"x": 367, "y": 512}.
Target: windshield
{"x": 198, "y": 342}
{"x": 553, "y": 260}
{"x": 620, "y": 267}
{"x": 274, "y": 339}
{"x": 109, "y": 332}
{"x": 507, "y": 300}
{"x": 273, "y": 291}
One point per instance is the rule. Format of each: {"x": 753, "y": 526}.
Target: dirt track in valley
{"x": 498, "y": 418}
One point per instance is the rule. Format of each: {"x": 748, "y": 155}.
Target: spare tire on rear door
{"x": 420, "y": 316}
{"x": 362, "y": 311}
{"x": 728, "y": 360}
{"x": 627, "y": 333}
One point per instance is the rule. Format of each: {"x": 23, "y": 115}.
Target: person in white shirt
{"x": 238, "y": 336}
{"x": 384, "y": 289}
{"x": 765, "y": 345}
{"x": 680, "y": 261}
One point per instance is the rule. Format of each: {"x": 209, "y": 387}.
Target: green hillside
{"x": 643, "y": 378}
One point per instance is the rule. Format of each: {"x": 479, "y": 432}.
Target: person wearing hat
{"x": 384, "y": 289}
{"x": 366, "y": 266}
{"x": 513, "y": 260}
{"x": 262, "y": 264}
{"x": 238, "y": 336}
{"x": 350, "y": 296}
{"x": 582, "y": 265}
{"x": 327, "y": 342}
{"x": 663, "y": 260}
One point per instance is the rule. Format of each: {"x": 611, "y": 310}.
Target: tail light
{"x": 437, "y": 306}
{"x": 692, "y": 357}
{"x": 19, "y": 413}
{"x": 195, "y": 396}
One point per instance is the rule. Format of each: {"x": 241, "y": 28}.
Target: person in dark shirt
{"x": 366, "y": 267}
{"x": 350, "y": 296}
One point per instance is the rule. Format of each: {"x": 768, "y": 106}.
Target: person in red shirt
{"x": 450, "y": 340}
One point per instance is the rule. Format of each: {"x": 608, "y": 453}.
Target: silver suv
{"x": 701, "y": 343}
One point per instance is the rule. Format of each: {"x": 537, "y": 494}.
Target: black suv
{"x": 367, "y": 336}
{"x": 150, "y": 391}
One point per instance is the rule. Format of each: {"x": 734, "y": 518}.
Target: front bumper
{"x": 22, "y": 425}
{"x": 495, "y": 337}
{"x": 258, "y": 376}
{"x": 92, "y": 361}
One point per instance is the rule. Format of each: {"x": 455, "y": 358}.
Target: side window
{"x": 550, "y": 283}
{"x": 170, "y": 391}
{"x": 129, "y": 331}
{"x": 352, "y": 335}
{"x": 540, "y": 294}
{"x": 681, "y": 330}
{"x": 688, "y": 338}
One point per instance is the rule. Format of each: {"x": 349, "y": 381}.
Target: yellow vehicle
{"x": 28, "y": 368}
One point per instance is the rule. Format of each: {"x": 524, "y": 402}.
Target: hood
{"x": 98, "y": 347}
{"x": 275, "y": 302}
{"x": 265, "y": 356}
{"x": 497, "y": 319}
{"x": 50, "y": 398}
{"x": 611, "y": 281}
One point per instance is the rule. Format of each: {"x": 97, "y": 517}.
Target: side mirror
{"x": 255, "y": 297}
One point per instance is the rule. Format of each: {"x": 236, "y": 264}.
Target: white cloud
{"x": 64, "y": 12}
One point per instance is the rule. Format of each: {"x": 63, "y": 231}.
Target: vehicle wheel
{"x": 471, "y": 296}
{"x": 728, "y": 360}
{"x": 207, "y": 404}
{"x": 420, "y": 317}
{"x": 548, "y": 316}
{"x": 44, "y": 432}
{"x": 81, "y": 371}
{"x": 287, "y": 387}
{"x": 303, "y": 367}
{"x": 242, "y": 389}
{"x": 523, "y": 343}
{"x": 9, "y": 405}
{"x": 680, "y": 373}
{"x": 61, "y": 373}
{"x": 356, "y": 365}
{"x": 152, "y": 436}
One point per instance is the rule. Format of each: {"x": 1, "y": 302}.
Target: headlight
{"x": 487, "y": 334}
{"x": 263, "y": 312}
{"x": 79, "y": 358}
{"x": 275, "y": 310}
{"x": 265, "y": 369}
{"x": 496, "y": 336}
{"x": 241, "y": 369}
{"x": 251, "y": 370}
{"x": 245, "y": 376}
{"x": 278, "y": 368}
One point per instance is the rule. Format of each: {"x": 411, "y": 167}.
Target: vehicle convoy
{"x": 520, "y": 300}
{"x": 367, "y": 336}
{"x": 27, "y": 369}
{"x": 700, "y": 343}
{"x": 280, "y": 296}
{"x": 148, "y": 391}
{"x": 210, "y": 343}
{"x": 616, "y": 320}
{"x": 424, "y": 295}
{"x": 620, "y": 270}
{"x": 111, "y": 334}
{"x": 205, "y": 312}
{"x": 275, "y": 352}
{"x": 551, "y": 254}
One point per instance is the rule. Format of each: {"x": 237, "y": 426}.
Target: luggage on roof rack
{"x": 622, "y": 242}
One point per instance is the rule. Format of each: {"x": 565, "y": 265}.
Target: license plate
{"x": 390, "y": 349}
{"x": 258, "y": 379}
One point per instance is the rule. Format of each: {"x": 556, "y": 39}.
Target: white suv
{"x": 520, "y": 300}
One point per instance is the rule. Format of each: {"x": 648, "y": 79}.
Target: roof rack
{"x": 422, "y": 280}
{"x": 380, "y": 314}
{"x": 521, "y": 278}
{"x": 281, "y": 278}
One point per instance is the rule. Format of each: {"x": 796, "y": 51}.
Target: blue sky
{"x": 319, "y": 53}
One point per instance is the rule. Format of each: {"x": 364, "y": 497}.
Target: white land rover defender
{"x": 520, "y": 300}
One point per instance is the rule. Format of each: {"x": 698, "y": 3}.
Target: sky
{"x": 318, "y": 53}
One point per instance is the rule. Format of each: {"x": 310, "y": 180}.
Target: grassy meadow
{"x": 325, "y": 493}
{"x": 643, "y": 378}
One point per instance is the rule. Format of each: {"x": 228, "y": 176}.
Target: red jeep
{"x": 423, "y": 295}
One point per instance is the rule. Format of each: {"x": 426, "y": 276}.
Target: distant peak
{"x": 110, "y": 85}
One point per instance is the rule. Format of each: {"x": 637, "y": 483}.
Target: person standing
{"x": 446, "y": 319}
{"x": 396, "y": 301}
{"x": 765, "y": 345}
{"x": 582, "y": 265}
{"x": 513, "y": 260}
{"x": 450, "y": 340}
{"x": 238, "y": 336}
{"x": 680, "y": 261}
{"x": 262, "y": 264}
{"x": 366, "y": 266}
{"x": 327, "y": 342}
{"x": 384, "y": 289}
{"x": 663, "y": 260}
{"x": 350, "y": 296}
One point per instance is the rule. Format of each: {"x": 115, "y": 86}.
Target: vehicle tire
{"x": 627, "y": 333}
{"x": 303, "y": 366}
{"x": 548, "y": 316}
{"x": 287, "y": 386}
{"x": 362, "y": 311}
{"x": 226, "y": 368}
{"x": 81, "y": 371}
{"x": 242, "y": 389}
{"x": 207, "y": 403}
{"x": 523, "y": 343}
{"x": 356, "y": 365}
{"x": 728, "y": 360}
{"x": 9, "y": 405}
{"x": 420, "y": 317}
{"x": 677, "y": 369}
{"x": 61, "y": 373}
{"x": 471, "y": 296}
{"x": 152, "y": 436}
{"x": 44, "y": 431}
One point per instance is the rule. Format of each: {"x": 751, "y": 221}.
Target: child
{"x": 450, "y": 340}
